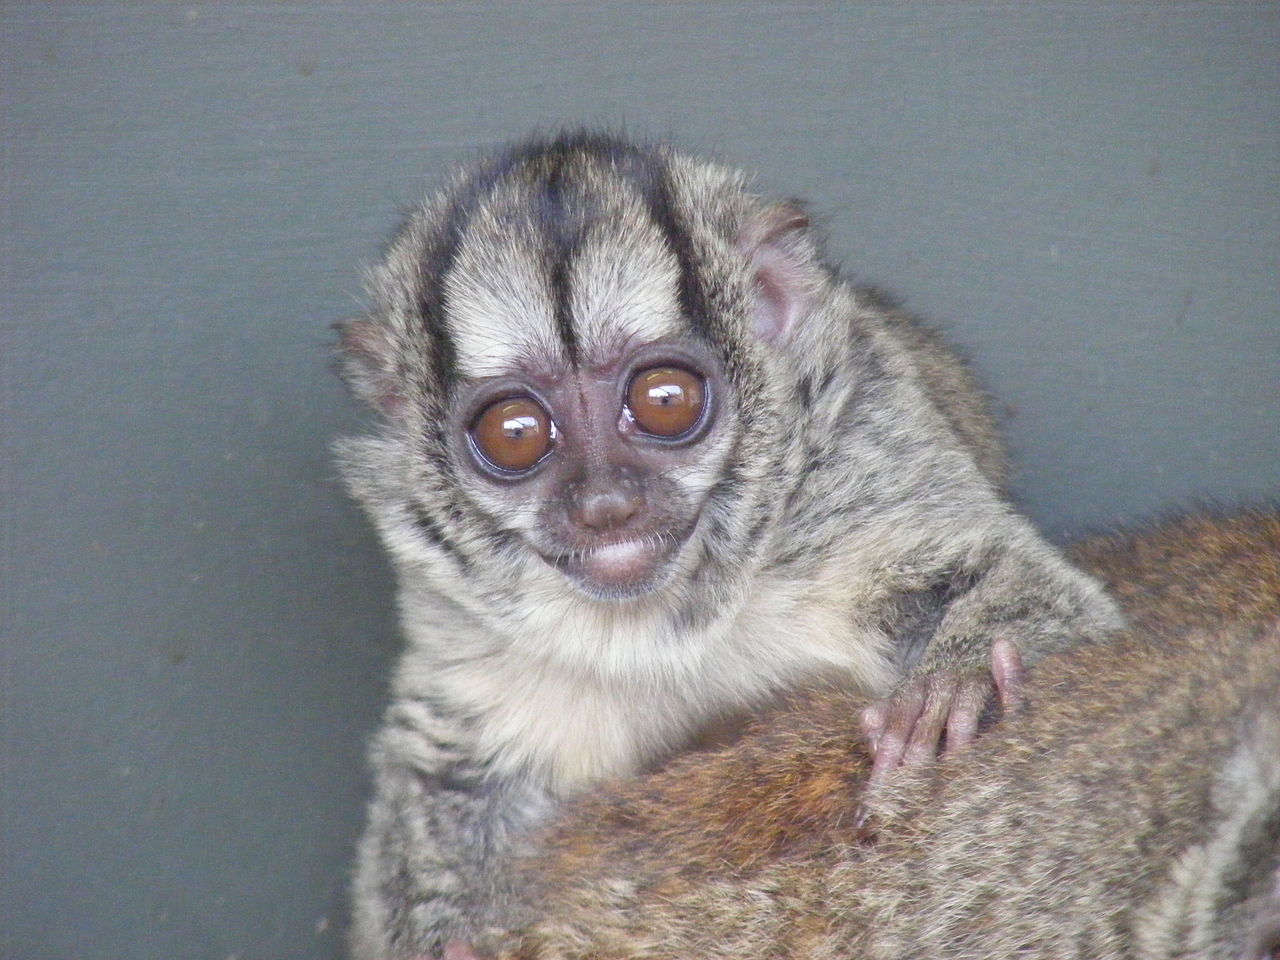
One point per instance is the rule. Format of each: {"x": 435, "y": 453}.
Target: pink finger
{"x": 873, "y": 722}
{"x": 1009, "y": 674}
{"x": 962, "y": 726}
{"x": 927, "y": 732}
{"x": 889, "y": 750}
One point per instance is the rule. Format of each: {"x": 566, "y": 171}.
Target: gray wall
{"x": 197, "y": 625}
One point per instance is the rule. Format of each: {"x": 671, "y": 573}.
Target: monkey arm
{"x": 908, "y": 506}
{"x": 438, "y": 830}
{"x": 1025, "y": 601}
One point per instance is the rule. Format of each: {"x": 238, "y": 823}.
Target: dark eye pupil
{"x": 666, "y": 395}
{"x": 516, "y": 426}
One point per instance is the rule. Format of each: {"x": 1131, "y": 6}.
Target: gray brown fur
{"x": 1131, "y": 811}
{"x": 849, "y": 517}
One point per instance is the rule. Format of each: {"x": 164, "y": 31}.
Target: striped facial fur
{"x": 628, "y": 343}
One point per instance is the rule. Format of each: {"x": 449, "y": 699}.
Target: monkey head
{"x": 580, "y": 352}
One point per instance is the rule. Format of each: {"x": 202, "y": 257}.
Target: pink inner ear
{"x": 778, "y": 299}
{"x": 783, "y": 274}
{"x": 370, "y": 354}
{"x": 363, "y": 338}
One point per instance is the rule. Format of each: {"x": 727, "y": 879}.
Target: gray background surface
{"x": 197, "y": 625}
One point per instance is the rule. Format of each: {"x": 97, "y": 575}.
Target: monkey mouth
{"x": 620, "y": 569}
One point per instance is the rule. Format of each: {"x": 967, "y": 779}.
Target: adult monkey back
{"x": 646, "y": 463}
{"x": 1130, "y": 812}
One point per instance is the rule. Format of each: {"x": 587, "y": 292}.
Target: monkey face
{"x": 593, "y": 462}
{"x": 576, "y": 349}
{"x": 590, "y": 417}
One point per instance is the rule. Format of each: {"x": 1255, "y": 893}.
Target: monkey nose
{"x": 609, "y": 508}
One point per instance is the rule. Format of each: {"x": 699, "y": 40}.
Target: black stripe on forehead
{"x": 651, "y": 178}
{"x": 563, "y": 214}
{"x": 438, "y": 259}
{"x": 562, "y": 228}
{"x": 642, "y": 168}
{"x": 437, "y": 263}
{"x": 551, "y": 162}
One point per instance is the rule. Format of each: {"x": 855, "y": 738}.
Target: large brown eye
{"x": 513, "y": 434}
{"x": 666, "y": 401}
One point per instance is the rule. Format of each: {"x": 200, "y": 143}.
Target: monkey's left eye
{"x": 513, "y": 434}
{"x": 666, "y": 401}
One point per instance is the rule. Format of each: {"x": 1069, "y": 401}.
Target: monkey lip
{"x": 621, "y": 561}
{"x": 624, "y": 568}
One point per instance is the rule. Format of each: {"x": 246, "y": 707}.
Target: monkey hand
{"x": 908, "y": 726}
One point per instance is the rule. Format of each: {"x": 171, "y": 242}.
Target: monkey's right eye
{"x": 513, "y": 434}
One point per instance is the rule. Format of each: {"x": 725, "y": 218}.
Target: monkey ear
{"x": 366, "y": 362}
{"x": 784, "y": 259}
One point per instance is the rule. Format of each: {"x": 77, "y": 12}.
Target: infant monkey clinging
{"x": 645, "y": 461}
